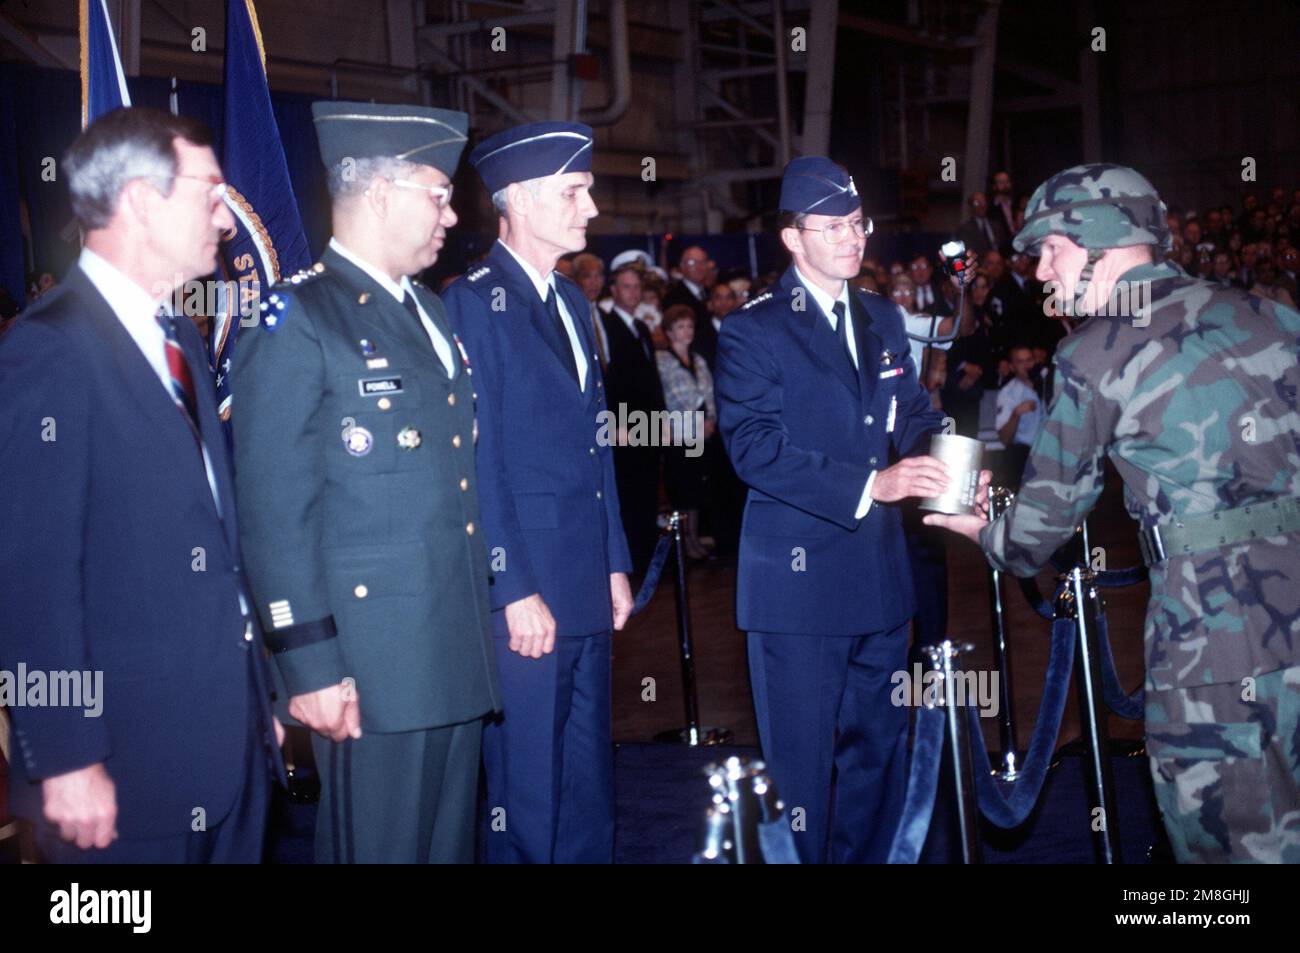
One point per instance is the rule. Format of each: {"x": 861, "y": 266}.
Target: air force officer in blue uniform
{"x": 550, "y": 507}
{"x": 816, "y": 395}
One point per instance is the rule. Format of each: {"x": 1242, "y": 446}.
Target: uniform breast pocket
{"x": 371, "y": 409}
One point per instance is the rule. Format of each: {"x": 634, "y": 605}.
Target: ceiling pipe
{"x": 620, "y": 71}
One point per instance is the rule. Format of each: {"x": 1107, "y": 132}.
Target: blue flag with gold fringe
{"x": 103, "y": 83}
{"x": 268, "y": 241}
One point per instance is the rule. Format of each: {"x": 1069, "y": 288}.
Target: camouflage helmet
{"x": 1096, "y": 206}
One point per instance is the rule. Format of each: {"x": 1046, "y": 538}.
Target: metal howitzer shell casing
{"x": 742, "y": 798}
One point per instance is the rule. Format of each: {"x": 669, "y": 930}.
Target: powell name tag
{"x": 374, "y": 386}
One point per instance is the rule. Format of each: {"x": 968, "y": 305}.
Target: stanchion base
{"x": 998, "y": 766}
{"x": 703, "y": 737}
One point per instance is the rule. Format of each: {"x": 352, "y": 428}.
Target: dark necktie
{"x": 561, "y": 335}
{"x": 643, "y": 336}
{"x": 842, "y": 334}
{"x": 408, "y": 302}
{"x": 182, "y": 382}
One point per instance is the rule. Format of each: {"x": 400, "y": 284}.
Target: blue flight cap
{"x": 815, "y": 184}
{"x": 532, "y": 151}
{"x": 421, "y": 134}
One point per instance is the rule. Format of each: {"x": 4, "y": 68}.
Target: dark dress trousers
{"x": 825, "y": 596}
{"x": 551, "y": 516}
{"x": 115, "y": 559}
{"x": 359, "y": 508}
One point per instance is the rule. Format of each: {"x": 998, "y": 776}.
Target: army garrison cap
{"x": 816, "y": 185}
{"x": 532, "y": 151}
{"x": 420, "y": 134}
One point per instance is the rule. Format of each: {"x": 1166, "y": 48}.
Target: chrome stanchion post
{"x": 942, "y": 658}
{"x": 1000, "y": 498}
{"x": 1100, "y": 778}
{"x": 692, "y": 734}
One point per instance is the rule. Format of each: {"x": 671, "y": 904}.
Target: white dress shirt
{"x": 826, "y": 304}
{"x": 441, "y": 345}
{"x": 543, "y": 286}
{"x": 694, "y": 289}
{"x": 137, "y": 311}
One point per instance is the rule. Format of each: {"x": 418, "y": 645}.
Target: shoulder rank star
{"x": 477, "y": 273}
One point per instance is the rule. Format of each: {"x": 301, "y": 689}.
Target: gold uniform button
{"x": 455, "y": 440}
{"x": 384, "y": 403}
{"x": 361, "y": 591}
{"x": 464, "y": 483}
{"x": 469, "y": 528}
{"x": 365, "y": 296}
{"x": 451, "y": 400}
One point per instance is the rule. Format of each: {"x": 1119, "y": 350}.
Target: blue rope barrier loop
{"x": 1119, "y": 578}
{"x": 1009, "y": 812}
{"x": 1034, "y": 596}
{"x": 651, "y": 581}
{"x": 922, "y": 782}
{"x": 1132, "y": 707}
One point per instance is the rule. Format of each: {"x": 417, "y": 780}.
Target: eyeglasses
{"x": 919, "y": 265}
{"x": 441, "y": 194}
{"x": 218, "y": 188}
{"x": 836, "y": 232}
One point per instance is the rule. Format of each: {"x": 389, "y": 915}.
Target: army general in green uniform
{"x": 353, "y": 425}
{"x": 1190, "y": 390}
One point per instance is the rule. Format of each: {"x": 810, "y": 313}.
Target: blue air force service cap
{"x": 420, "y": 134}
{"x": 816, "y": 185}
{"x": 532, "y": 151}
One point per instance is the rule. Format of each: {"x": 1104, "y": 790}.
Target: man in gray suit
{"x": 354, "y": 430}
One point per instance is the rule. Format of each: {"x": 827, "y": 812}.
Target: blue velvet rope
{"x": 651, "y": 581}
{"x": 1034, "y": 596}
{"x": 922, "y": 781}
{"x": 1132, "y": 707}
{"x": 1119, "y": 578}
{"x": 1009, "y": 812}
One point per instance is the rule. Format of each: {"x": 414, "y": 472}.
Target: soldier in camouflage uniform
{"x": 1190, "y": 390}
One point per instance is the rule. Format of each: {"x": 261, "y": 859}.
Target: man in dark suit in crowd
{"x": 353, "y": 417}
{"x": 550, "y": 504}
{"x": 929, "y": 288}
{"x": 815, "y": 391}
{"x": 1002, "y": 208}
{"x": 982, "y": 232}
{"x": 693, "y": 290}
{"x": 119, "y": 560}
{"x": 632, "y": 381}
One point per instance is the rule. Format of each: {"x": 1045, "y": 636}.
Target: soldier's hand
{"x": 968, "y": 525}
{"x": 333, "y": 711}
{"x": 531, "y": 625}
{"x": 915, "y": 476}
{"x": 82, "y": 804}
{"x": 620, "y": 596}
{"x": 1025, "y": 407}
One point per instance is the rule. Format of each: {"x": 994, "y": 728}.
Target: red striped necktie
{"x": 179, "y": 370}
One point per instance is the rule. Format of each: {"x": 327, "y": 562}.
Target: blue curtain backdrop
{"x": 40, "y": 114}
